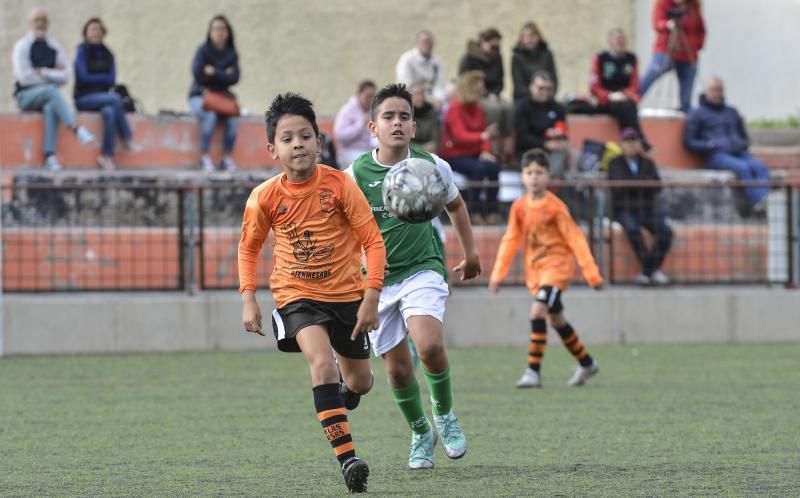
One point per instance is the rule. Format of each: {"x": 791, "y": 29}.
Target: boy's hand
{"x": 494, "y": 286}
{"x": 251, "y": 314}
{"x": 469, "y": 268}
{"x": 367, "y": 318}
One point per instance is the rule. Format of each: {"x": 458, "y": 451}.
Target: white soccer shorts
{"x": 423, "y": 293}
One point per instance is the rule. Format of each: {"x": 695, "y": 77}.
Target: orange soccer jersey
{"x": 550, "y": 237}
{"x": 320, "y": 226}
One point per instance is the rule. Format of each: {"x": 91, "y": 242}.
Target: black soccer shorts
{"x": 339, "y": 319}
{"x": 551, "y": 296}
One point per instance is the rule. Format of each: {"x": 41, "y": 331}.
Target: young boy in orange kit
{"x": 542, "y": 222}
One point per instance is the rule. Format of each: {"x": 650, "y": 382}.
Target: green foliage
{"x": 790, "y": 122}
{"x": 700, "y": 420}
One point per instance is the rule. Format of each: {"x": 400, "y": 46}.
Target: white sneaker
{"x": 206, "y": 164}
{"x": 582, "y": 374}
{"x": 84, "y": 135}
{"x": 659, "y": 278}
{"x": 641, "y": 279}
{"x": 228, "y": 164}
{"x": 52, "y": 163}
{"x": 530, "y": 378}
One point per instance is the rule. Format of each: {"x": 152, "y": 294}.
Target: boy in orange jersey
{"x": 542, "y": 222}
{"x": 321, "y": 221}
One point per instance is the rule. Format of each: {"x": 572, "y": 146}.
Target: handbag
{"x": 223, "y": 103}
{"x": 129, "y": 103}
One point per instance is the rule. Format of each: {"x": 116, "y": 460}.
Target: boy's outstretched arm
{"x": 470, "y": 267}
{"x": 509, "y": 245}
{"x": 370, "y": 238}
{"x": 255, "y": 228}
{"x": 580, "y": 247}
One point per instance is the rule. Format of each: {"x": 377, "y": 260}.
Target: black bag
{"x": 128, "y": 102}
{"x": 591, "y": 156}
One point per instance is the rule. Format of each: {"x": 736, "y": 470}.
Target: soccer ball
{"x": 414, "y": 190}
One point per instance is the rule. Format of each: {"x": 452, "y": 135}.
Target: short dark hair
{"x": 289, "y": 104}
{"x": 489, "y": 34}
{"x": 229, "y": 43}
{"x": 543, "y": 74}
{"x": 91, "y": 21}
{"x": 391, "y": 90}
{"x": 364, "y": 84}
{"x": 538, "y": 156}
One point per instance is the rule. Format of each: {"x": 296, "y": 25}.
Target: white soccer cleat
{"x": 421, "y": 456}
{"x": 582, "y": 374}
{"x": 530, "y": 378}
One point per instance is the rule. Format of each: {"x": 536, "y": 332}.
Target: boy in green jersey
{"x": 413, "y": 298}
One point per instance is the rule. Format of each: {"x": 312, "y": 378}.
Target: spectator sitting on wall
{"x": 717, "y": 131}
{"x": 531, "y": 54}
{"x": 636, "y": 208}
{"x": 350, "y": 130}
{"x": 484, "y": 55}
{"x": 421, "y": 65}
{"x": 95, "y": 75}
{"x": 540, "y": 122}
{"x": 614, "y": 82}
{"x": 39, "y": 67}
{"x": 428, "y": 135}
{"x": 467, "y": 144}
{"x": 215, "y": 69}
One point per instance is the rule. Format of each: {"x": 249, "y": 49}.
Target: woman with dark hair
{"x": 95, "y": 75}
{"x": 215, "y": 68}
{"x": 530, "y": 55}
{"x": 680, "y": 34}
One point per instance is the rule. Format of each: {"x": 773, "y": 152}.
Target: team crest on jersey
{"x": 327, "y": 201}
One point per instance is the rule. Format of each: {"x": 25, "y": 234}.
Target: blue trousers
{"x": 476, "y": 170}
{"x": 661, "y": 65}
{"x": 110, "y": 106}
{"x": 208, "y": 121}
{"x": 48, "y": 99}
{"x": 632, "y": 222}
{"x": 746, "y": 167}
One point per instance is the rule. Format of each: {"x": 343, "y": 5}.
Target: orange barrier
{"x": 167, "y": 142}
{"x": 140, "y": 258}
{"x": 173, "y": 142}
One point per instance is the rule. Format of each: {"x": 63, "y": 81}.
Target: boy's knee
{"x": 431, "y": 353}
{"x": 399, "y": 374}
{"x": 361, "y": 384}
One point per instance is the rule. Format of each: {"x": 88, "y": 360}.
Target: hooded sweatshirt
{"x": 490, "y": 65}
{"x": 714, "y": 128}
{"x": 525, "y": 62}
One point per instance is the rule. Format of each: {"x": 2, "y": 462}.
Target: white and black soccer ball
{"x": 414, "y": 190}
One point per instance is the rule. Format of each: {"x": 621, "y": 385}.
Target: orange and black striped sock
{"x": 574, "y": 344}
{"x": 538, "y": 344}
{"x": 333, "y": 416}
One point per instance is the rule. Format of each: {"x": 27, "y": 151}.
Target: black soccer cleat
{"x": 355, "y": 472}
{"x": 350, "y": 399}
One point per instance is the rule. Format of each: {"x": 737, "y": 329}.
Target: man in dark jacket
{"x": 717, "y": 131}
{"x": 635, "y": 207}
{"x": 540, "y": 122}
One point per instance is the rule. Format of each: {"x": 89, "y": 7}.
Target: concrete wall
{"x": 318, "y": 47}
{"x": 749, "y": 44}
{"x": 176, "y": 322}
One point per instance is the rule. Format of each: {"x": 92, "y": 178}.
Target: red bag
{"x": 223, "y": 103}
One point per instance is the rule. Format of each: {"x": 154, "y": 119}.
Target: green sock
{"x": 441, "y": 391}
{"x": 409, "y": 400}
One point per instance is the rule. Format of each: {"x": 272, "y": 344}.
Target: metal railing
{"x": 137, "y": 233}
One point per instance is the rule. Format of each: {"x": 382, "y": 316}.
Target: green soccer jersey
{"x": 410, "y": 248}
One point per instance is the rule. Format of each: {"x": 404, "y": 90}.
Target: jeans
{"x": 110, "y": 106}
{"x": 746, "y": 167}
{"x": 48, "y": 99}
{"x": 476, "y": 170}
{"x": 655, "y": 223}
{"x": 662, "y": 64}
{"x": 208, "y": 121}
